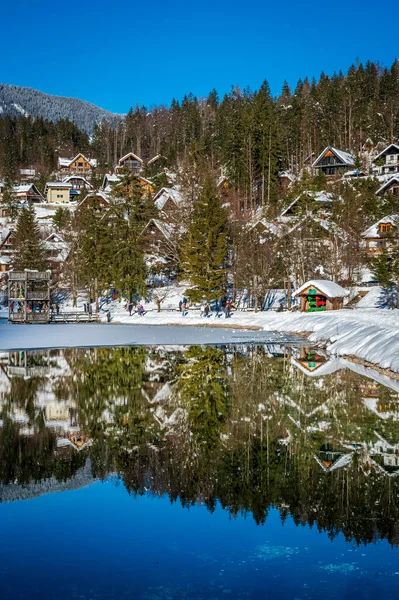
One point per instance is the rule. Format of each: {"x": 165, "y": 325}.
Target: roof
{"x": 165, "y": 228}
{"x": 328, "y": 288}
{"x": 25, "y": 188}
{"x": 267, "y": 226}
{"x": 374, "y": 230}
{"x": 69, "y": 177}
{"x": 57, "y": 185}
{"x": 330, "y": 366}
{"x": 345, "y": 157}
{"x": 154, "y": 158}
{"x": 387, "y": 184}
{"x": 66, "y": 162}
{"x": 386, "y": 150}
{"x": 101, "y": 195}
{"x": 127, "y": 156}
{"x": 168, "y": 193}
{"x": 322, "y": 197}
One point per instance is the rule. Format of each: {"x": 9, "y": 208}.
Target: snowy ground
{"x": 368, "y": 332}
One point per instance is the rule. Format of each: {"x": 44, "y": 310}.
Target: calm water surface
{"x": 197, "y": 473}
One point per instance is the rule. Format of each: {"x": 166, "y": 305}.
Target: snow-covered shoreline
{"x": 370, "y": 334}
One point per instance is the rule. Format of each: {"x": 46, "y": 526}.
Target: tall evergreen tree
{"x": 205, "y": 249}
{"x": 27, "y": 245}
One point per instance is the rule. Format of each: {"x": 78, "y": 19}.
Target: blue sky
{"x": 117, "y": 54}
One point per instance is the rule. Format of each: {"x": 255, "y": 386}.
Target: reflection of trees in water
{"x": 241, "y": 428}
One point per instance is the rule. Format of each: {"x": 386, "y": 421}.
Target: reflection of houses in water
{"x": 385, "y": 456}
{"x": 330, "y": 459}
{"x": 314, "y": 363}
{"x": 27, "y": 364}
{"x": 78, "y": 441}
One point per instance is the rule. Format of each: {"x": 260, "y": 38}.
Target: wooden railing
{"x": 29, "y": 275}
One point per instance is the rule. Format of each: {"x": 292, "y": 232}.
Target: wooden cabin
{"x": 333, "y": 161}
{"x": 387, "y": 161}
{"x": 319, "y": 295}
{"x": 389, "y": 187}
{"x": 377, "y": 236}
{"x": 79, "y": 165}
{"x": 130, "y": 163}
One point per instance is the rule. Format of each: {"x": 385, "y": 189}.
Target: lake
{"x": 197, "y": 472}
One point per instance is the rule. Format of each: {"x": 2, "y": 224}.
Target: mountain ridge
{"x": 19, "y": 100}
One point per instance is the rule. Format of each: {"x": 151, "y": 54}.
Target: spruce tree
{"x": 94, "y": 250}
{"x": 205, "y": 249}
{"x": 27, "y": 245}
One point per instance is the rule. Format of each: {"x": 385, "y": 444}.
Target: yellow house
{"x": 57, "y": 192}
{"x": 146, "y": 185}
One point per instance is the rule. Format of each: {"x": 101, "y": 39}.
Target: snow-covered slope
{"x": 17, "y": 101}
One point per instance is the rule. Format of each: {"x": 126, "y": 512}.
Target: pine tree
{"x": 94, "y": 250}
{"x": 205, "y": 249}
{"x": 28, "y": 247}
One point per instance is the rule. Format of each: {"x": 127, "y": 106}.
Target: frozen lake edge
{"x": 39, "y": 337}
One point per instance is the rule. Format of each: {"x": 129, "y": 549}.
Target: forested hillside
{"x": 250, "y": 134}
{"x": 16, "y": 101}
{"x": 27, "y": 142}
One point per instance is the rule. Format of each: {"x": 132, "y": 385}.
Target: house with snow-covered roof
{"x": 25, "y": 192}
{"x": 79, "y": 165}
{"x": 333, "y": 161}
{"x": 58, "y": 192}
{"x": 78, "y": 182}
{"x": 387, "y": 161}
{"x": 307, "y": 201}
{"x": 390, "y": 186}
{"x": 130, "y": 163}
{"x": 320, "y": 294}
{"x": 377, "y": 236}
{"x": 169, "y": 201}
{"x": 110, "y": 179}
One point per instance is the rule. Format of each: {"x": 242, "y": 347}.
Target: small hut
{"x": 320, "y": 294}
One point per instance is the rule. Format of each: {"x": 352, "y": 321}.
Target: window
{"x": 385, "y": 227}
{"x": 60, "y": 195}
{"x": 80, "y": 164}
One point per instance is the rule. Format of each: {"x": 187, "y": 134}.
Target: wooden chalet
{"x": 387, "y": 161}
{"x": 377, "y": 236}
{"x": 309, "y": 201}
{"x": 57, "y": 249}
{"x": 319, "y": 295}
{"x": 79, "y": 165}
{"x": 389, "y": 187}
{"x": 130, "y": 163}
{"x": 109, "y": 181}
{"x": 169, "y": 202}
{"x": 333, "y": 161}
{"x": 26, "y": 175}
{"x": 99, "y": 199}
{"x": 25, "y": 192}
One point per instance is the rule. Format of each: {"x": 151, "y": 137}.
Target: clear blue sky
{"x": 117, "y": 54}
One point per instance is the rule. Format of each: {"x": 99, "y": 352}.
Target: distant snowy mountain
{"x": 17, "y": 101}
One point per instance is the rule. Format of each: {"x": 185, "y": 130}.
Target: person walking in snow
{"x": 130, "y": 308}
{"x": 141, "y": 310}
{"x": 180, "y": 305}
{"x": 227, "y": 309}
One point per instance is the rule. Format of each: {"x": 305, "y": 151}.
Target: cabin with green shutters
{"x": 319, "y": 295}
